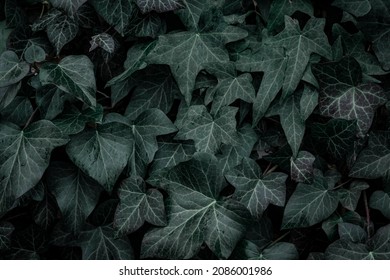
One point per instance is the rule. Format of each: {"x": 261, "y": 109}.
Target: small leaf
{"x": 34, "y": 53}
{"x": 62, "y": 32}
{"x": 380, "y": 200}
{"x": 74, "y": 74}
{"x": 103, "y": 40}
{"x": 349, "y": 198}
{"x": 351, "y": 232}
{"x": 11, "y": 69}
{"x": 302, "y": 167}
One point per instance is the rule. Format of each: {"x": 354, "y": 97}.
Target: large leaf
{"x": 102, "y": 152}
{"x": 374, "y": 160}
{"x": 24, "y": 157}
{"x": 376, "y": 248}
{"x": 138, "y": 205}
{"x": 299, "y": 45}
{"x": 74, "y": 74}
{"x": 196, "y": 213}
{"x": 207, "y": 131}
{"x": 310, "y": 204}
{"x": 11, "y": 69}
{"x": 343, "y": 95}
{"x": 256, "y": 190}
{"x": 186, "y": 53}
{"x": 159, "y": 6}
{"x": 76, "y": 194}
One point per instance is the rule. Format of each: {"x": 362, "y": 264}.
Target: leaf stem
{"x": 30, "y": 118}
{"x": 367, "y": 213}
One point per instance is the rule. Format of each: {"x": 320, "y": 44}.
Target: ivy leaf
{"x": 255, "y": 190}
{"x": 76, "y": 194}
{"x": 186, "y": 53}
{"x": 102, "y": 152}
{"x": 11, "y": 69}
{"x": 102, "y": 244}
{"x": 351, "y": 232}
{"x": 74, "y": 75}
{"x": 344, "y": 96}
{"x": 62, "y": 31}
{"x": 336, "y": 136}
{"x": 374, "y": 161}
{"x": 205, "y": 217}
{"x": 155, "y": 89}
{"x": 279, "y": 8}
{"x": 302, "y": 167}
{"x": 24, "y": 157}
{"x": 138, "y": 205}
{"x": 6, "y": 230}
{"x": 310, "y": 204}
{"x": 70, "y": 7}
{"x": 380, "y": 200}
{"x": 358, "y": 8}
{"x": 376, "y": 248}
{"x": 192, "y": 11}
{"x": 159, "y": 6}
{"x": 311, "y": 39}
{"x": 118, "y": 13}
{"x": 376, "y": 26}
{"x": 103, "y": 40}
{"x": 349, "y": 198}
{"x": 207, "y": 131}
{"x": 34, "y": 53}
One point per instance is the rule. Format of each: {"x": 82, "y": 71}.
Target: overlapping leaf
{"x": 256, "y": 190}
{"x": 11, "y": 69}
{"x": 196, "y": 213}
{"x": 24, "y": 157}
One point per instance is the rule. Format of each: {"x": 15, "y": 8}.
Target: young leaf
{"x": 255, "y": 190}
{"x": 138, "y": 205}
{"x": 103, "y": 40}
{"x": 102, "y": 152}
{"x": 24, "y": 157}
{"x": 196, "y": 213}
{"x": 74, "y": 74}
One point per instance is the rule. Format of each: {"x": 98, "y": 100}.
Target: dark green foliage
{"x": 194, "y": 129}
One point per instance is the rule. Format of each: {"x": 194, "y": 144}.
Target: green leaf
{"x": 344, "y": 96}
{"x": 138, "y": 205}
{"x": 24, "y": 157}
{"x": 102, "y": 152}
{"x": 349, "y": 198}
{"x": 147, "y": 25}
{"x": 155, "y": 89}
{"x": 6, "y": 230}
{"x": 34, "y": 53}
{"x": 102, "y": 244}
{"x": 192, "y": 11}
{"x": 279, "y": 251}
{"x": 376, "y": 248}
{"x": 380, "y": 200}
{"x": 230, "y": 89}
{"x": 62, "y": 31}
{"x": 351, "y": 232}
{"x": 299, "y": 45}
{"x": 302, "y": 167}
{"x": 103, "y": 40}
{"x": 18, "y": 111}
{"x": 255, "y": 190}
{"x": 51, "y": 101}
{"x": 376, "y": 26}
{"x": 74, "y": 75}
{"x": 4, "y": 33}
{"x": 11, "y": 69}
{"x": 70, "y": 7}
{"x": 310, "y": 204}
{"x": 280, "y": 8}
{"x": 374, "y": 161}
{"x": 76, "y": 194}
{"x": 336, "y": 136}
{"x": 196, "y": 213}
{"x": 116, "y": 12}
{"x": 8, "y": 94}
{"x": 135, "y": 61}
{"x": 159, "y": 6}
{"x": 207, "y": 131}
{"x": 186, "y": 53}
{"x": 357, "y": 8}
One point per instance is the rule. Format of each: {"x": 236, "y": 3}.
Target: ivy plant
{"x": 194, "y": 129}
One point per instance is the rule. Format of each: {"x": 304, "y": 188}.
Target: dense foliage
{"x": 204, "y": 129}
